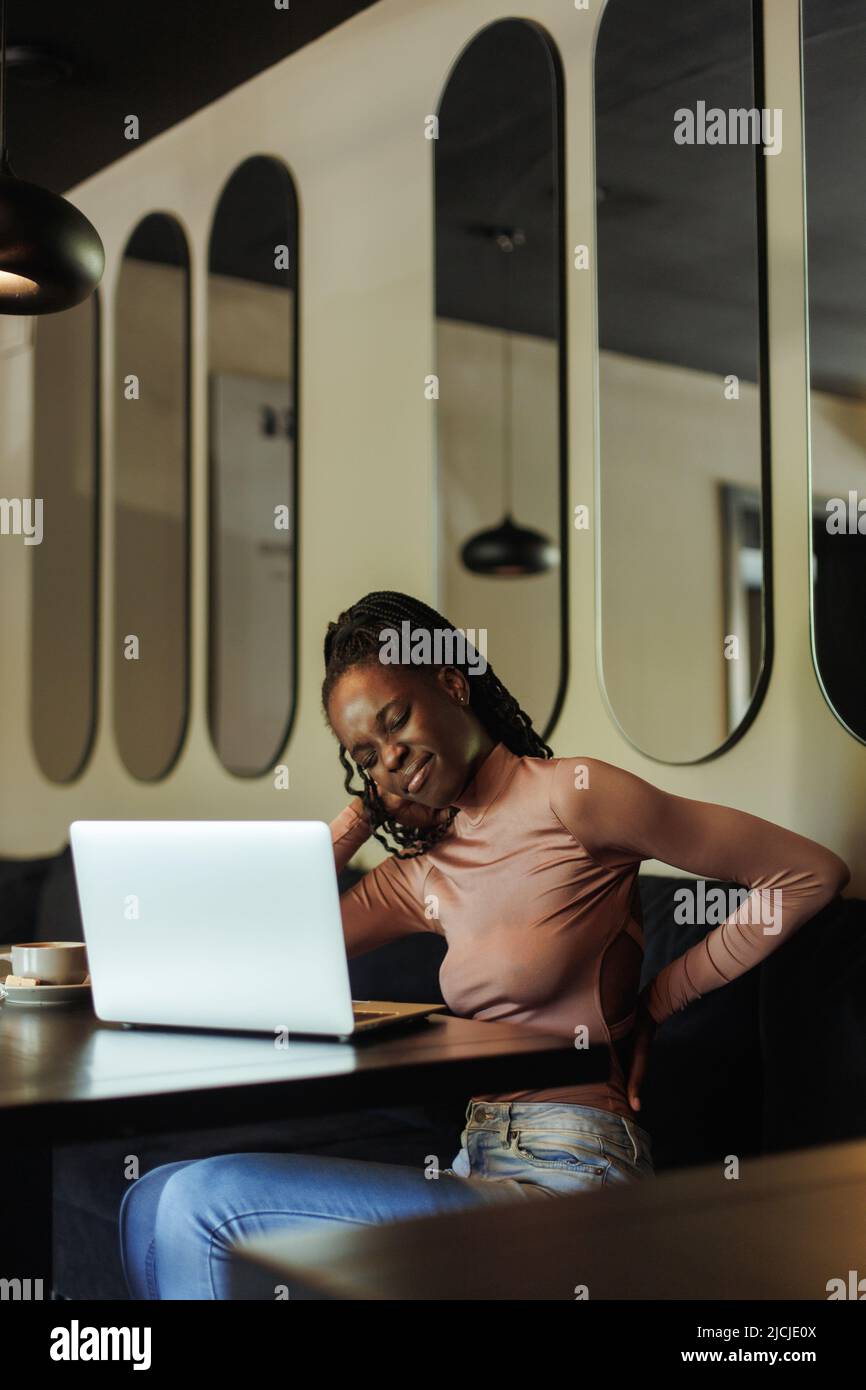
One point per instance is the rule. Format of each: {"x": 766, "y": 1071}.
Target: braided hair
{"x": 354, "y": 640}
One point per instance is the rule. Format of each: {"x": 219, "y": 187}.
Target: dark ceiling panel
{"x": 161, "y": 61}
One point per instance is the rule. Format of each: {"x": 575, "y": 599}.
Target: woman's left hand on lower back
{"x": 644, "y": 1033}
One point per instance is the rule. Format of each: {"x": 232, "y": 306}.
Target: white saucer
{"x": 45, "y": 994}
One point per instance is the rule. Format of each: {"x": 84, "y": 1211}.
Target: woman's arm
{"x": 389, "y": 900}
{"x": 620, "y": 818}
{"x": 349, "y": 831}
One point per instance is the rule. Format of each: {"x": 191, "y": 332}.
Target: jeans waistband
{"x": 498, "y": 1116}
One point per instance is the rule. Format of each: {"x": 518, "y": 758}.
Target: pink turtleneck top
{"x": 534, "y": 888}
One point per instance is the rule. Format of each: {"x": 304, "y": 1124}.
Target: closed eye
{"x": 395, "y": 724}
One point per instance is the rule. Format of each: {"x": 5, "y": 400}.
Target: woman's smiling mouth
{"x": 418, "y": 777}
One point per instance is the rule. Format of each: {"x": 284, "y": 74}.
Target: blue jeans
{"x": 179, "y": 1222}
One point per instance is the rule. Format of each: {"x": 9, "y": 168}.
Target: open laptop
{"x": 220, "y": 924}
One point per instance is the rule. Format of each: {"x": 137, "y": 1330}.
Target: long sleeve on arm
{"x": 619, "y": 818}
{"x": 387, "y": 902}
{"x": 349, "y": 831}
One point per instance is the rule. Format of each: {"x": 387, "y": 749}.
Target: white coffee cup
{"x": 51, "y": 962}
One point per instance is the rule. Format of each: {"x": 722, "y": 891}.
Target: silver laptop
{"x": 220, "y": 924}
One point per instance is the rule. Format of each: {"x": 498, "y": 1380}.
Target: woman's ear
{"x": 455, "y": 684}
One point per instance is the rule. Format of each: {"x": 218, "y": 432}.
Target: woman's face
{"x": 398, "y": 721}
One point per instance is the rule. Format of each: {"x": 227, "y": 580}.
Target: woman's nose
{"x": 393, "y": 755}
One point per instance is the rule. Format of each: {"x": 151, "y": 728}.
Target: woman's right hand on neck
{"x": 410, "y": 813}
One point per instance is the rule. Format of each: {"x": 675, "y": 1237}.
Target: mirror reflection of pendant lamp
{"x": 51, "y": 257}
{"x": 508, "y": 550}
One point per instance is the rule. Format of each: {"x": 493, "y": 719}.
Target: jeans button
{"x": 481, "y": 1114}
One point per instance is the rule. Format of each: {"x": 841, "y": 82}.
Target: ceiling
{"x": 677, "y": 224}
{"x": 497, "y": 162}
{"x": 677, "y": 240}
{"x": 835, "y": 89}
{"x": 161, "y": 60}
{"x": 677, "y": 267}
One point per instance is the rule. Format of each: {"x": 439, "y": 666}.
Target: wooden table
{"x": 67, "y": 1077}
{"x": 786, "y": 1226}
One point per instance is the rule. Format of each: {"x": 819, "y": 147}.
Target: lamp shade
{"x": 51, "y": 257}
{"x": 507, "y": 549}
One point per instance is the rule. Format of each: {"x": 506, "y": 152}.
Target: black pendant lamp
{"x": 508, "y": 550}
{"x": 51, "y": 257}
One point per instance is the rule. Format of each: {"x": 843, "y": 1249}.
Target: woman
{"x": 527, "y": 865}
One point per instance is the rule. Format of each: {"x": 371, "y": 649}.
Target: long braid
{"x": 354, "y": 640}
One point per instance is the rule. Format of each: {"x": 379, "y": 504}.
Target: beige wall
{"x": 668, "y": 441}
{"x": 347, "y": 116}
